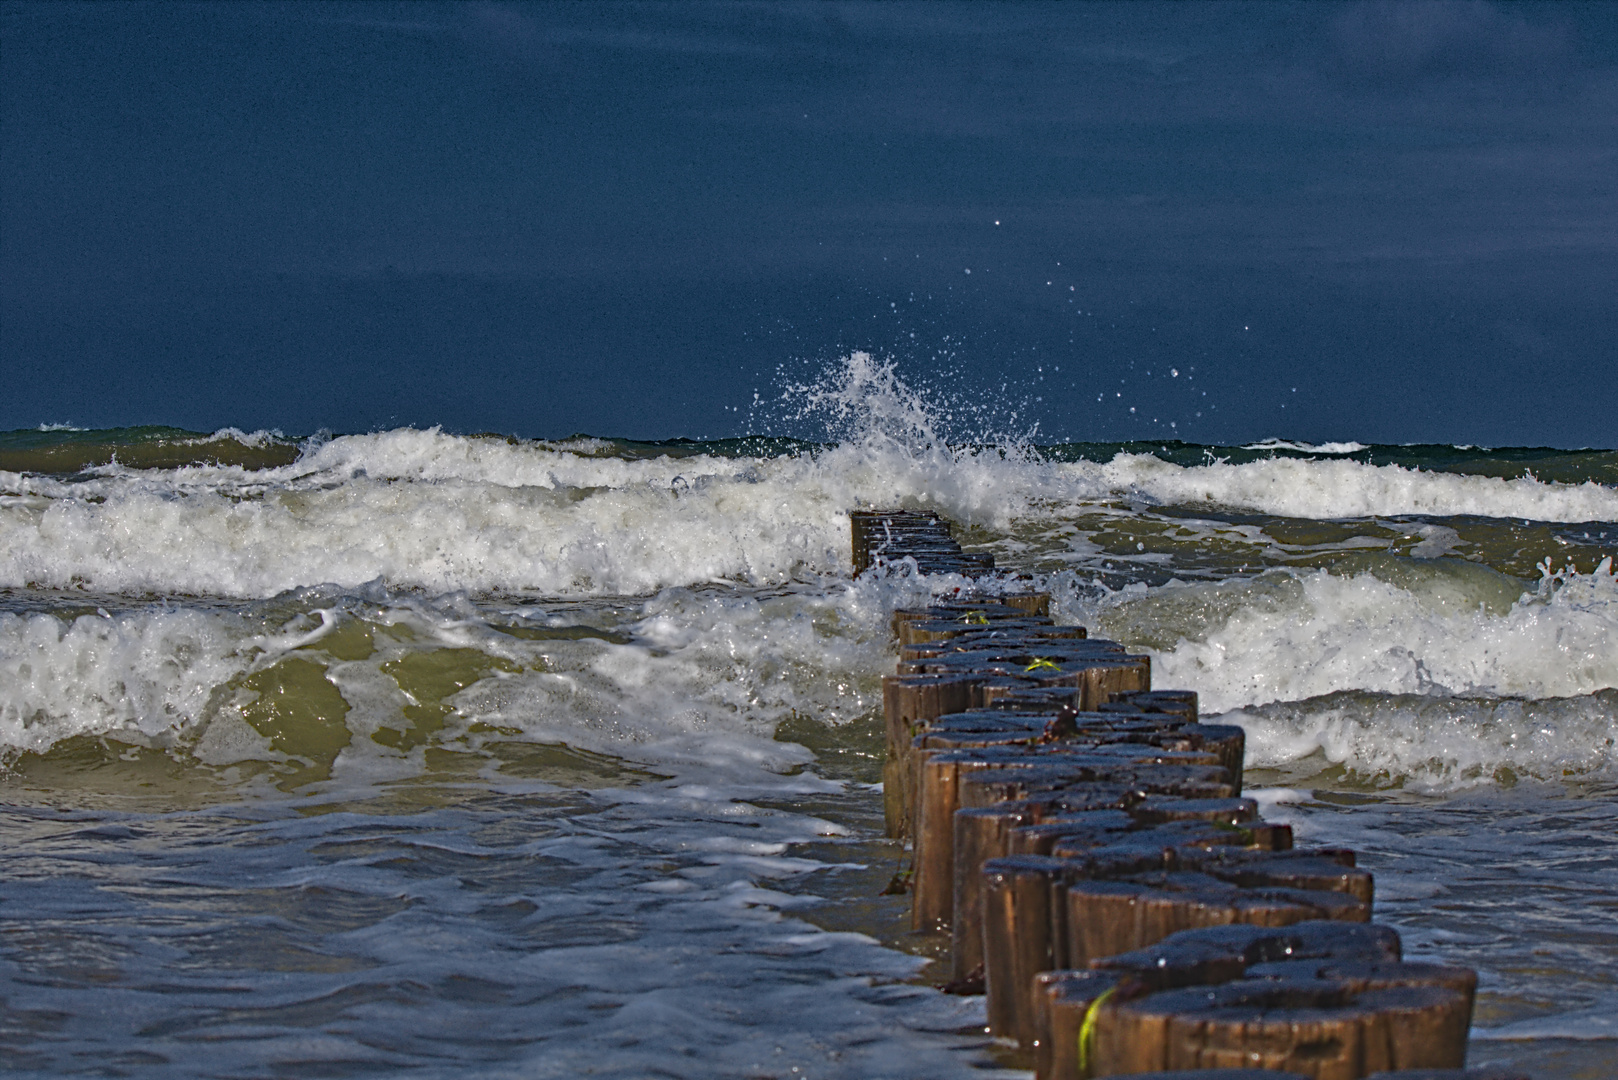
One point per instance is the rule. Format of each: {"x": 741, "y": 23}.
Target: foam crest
{"x": 153, "y": 533}
{"x": 437, "y": 512}
{"x": 707, "y": 678}
{"x": 1440, "y": 743}
{"x": 1307, "y": 448}
{"x": 1307, "y": 488}
{"x": 1427, "y": 678}
{"x": 1290, "y": 636}
{"x": 434, "y": 457}
{"x": 429, "y": 510}
{"x": 697, "y": 678}
{"x": 150, "y": 672}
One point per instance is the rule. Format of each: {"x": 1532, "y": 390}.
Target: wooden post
{"x": 1065, "y": 813}
{"x": 1061, "y": 1001}
{"x": 1016, "y": 940}
{"x": 981, "y": 834}
{"x": 1317, "y": 1026}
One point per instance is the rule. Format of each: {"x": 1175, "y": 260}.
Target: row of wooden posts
{"x": 1084, "y": 841}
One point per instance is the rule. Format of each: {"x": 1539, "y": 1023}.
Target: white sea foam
{"x": 1307, "y": 448}
{"x": 425, "y": 510}
{"x": 1291, "y": 636}
{"x": 1440, "y": 742}
{"x": 707, "y": 677}
{"x": 428, "y": 510}
{"x": 702, "y": 682}
{"x": 1419, "y": 680}
{"x": 1303, "y": 488}
{"x": 1415, "y": 680}
{"x": 148, "y": 674}
{"x": 408, "y": 516}
{"x": 260, "y": 437}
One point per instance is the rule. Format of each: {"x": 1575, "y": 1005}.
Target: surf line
{"x": 1084, "y": 842}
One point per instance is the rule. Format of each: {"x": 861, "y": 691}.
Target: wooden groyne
{"x": 1084, "y": 841}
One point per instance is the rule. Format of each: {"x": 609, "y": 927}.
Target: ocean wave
{"x": 1289, "y": 635}
{"x": 682, "y": 676}
{"x": 146, "y": 673}
{"x": 258, "y": 438}
{"x": 1307, "y": 448}
{"x": 1303, "y": 488}
{"x": 59, "y": 450}
{"x": 430, "y": 510}
{"x": 1426, "y": 676}
{"x": 1424, "y": 742}
{"x": 165, "y": 535}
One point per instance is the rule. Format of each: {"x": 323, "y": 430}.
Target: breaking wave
{"x": 431, "y": 510}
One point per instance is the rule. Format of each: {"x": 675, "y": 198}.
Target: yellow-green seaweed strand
{"x": 1087, "y": 1032}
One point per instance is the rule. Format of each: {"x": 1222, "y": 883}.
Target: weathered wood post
{"x": 1083, "y": 838}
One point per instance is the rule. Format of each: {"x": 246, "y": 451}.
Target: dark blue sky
{"x": 622, "y": 219}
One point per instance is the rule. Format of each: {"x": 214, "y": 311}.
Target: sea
{"x": 420, "y": 753}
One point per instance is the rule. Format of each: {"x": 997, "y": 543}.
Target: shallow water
{"x": 484, "y": 930}
{"x": 471, "y": 756}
